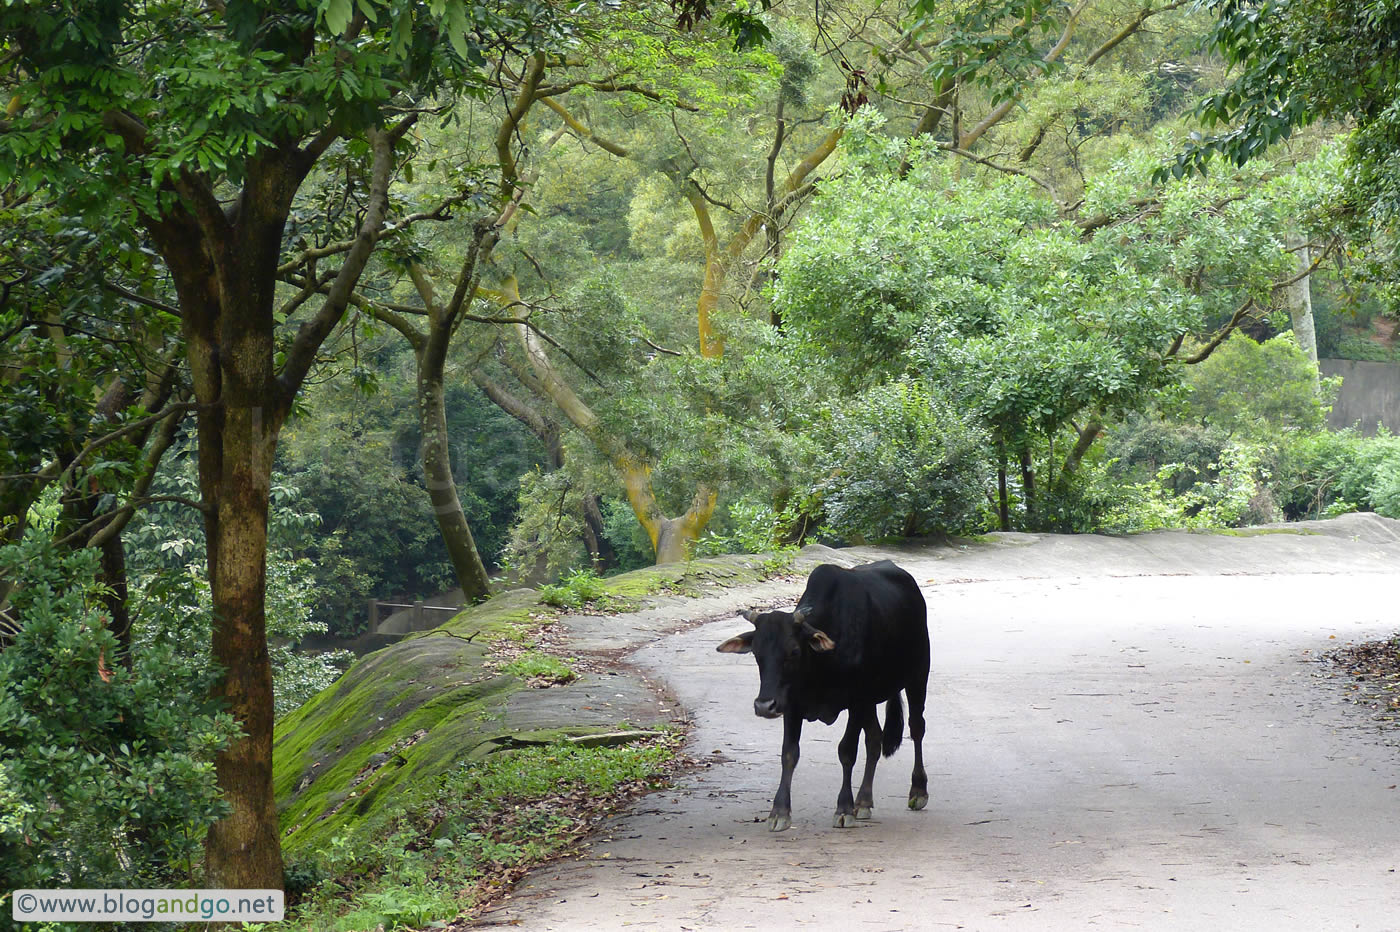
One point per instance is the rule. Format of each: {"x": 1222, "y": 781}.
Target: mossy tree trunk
{"x": 430, "y": 354}
{"x": 224, "y": 264}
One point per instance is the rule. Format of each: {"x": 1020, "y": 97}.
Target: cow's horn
{"x": 751, "y": 617}
{"x": 800, "y": 615}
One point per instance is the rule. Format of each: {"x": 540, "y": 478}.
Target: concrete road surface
{"x": 1123, "y": 734}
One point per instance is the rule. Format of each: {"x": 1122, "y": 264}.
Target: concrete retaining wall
{"x": 1370, "y": 394}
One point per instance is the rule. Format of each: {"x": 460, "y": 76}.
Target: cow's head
{"x": 781, "y": 642}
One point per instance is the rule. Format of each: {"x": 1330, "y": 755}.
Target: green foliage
{"x": 992, "y": 43}
{"x": 534, "y": 665}
{"x": 900, "y": 460}
{"x": 631, "y": 548}
{"x": 1295, "y": 62}
{"x": 213, "y": 91}
{"x": 108, "y": 770}
{"x": 546, "y": 541}
{"x": 1333, "y": 472}
{"x": 1248, "y": 388}
{"x": 581, "y": 588}
{"x": 746, "y": 527}
{"x": 172, "y": 602}
{"x": 354, "y": 458}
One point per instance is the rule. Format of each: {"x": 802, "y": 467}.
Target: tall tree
{"x": 1294, "y": 62}
{"x": 715, "y": 183}
{"x": 206, "y": 123}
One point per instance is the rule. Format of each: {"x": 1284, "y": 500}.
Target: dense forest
{"x": 308, "y": 304}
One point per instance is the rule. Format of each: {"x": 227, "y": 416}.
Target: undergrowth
{"x": 452, "y": 847}
{"x": 536, "y": 666}
{"x": 583, "y": 588}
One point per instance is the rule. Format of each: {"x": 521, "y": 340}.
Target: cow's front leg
{"x": 781, "y": 817}
{"x": 865, "y": 799}
{"x": 846, "y": 753}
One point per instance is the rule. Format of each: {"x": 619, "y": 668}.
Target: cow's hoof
{"x": 864, "y": 812}
{"x": 918, "y": 800}
{"x": 779, "y": 823}
{"x": 844, "y": 820}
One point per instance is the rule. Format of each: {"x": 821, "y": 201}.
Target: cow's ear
{"x": 739, "y": 644}
{"x": 820, "y": 642}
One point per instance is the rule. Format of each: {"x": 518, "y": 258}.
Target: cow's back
{"x": 877, "y": 616}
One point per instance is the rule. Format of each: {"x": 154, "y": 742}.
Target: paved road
{"x": 1111, "y": 745}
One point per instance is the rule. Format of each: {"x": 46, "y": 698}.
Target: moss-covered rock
{"x": 400, "y": 714}
{"x": 405, "y": 715}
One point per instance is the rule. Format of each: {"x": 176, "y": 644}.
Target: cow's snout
{"x": 766, "y": 708}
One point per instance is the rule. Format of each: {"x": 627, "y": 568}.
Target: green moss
{"x": 1253, "y": 531}
{"x": 403, "y": 716}
{"x": 375, "y": 728}
{"x": 508, "y": 616}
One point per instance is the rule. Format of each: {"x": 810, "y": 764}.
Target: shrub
{"x": 106, "y": 774}
{"x": 749, "y": 527}
{"x": 1249, "y": 388}
{"x": 581, "y": 588}
{"x": 533, "y": 665}
{"x": 901, "y": 461}
{"x": 1325, "y": 473}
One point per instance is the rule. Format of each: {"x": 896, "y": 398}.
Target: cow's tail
{"x": 894, "y": 724}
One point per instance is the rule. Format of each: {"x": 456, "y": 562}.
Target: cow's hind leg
{"x": 918, "y": 785}
{"x": 865, "y": 798}
{"x": 780, "y": 818}
{"x": 856, "y": 719}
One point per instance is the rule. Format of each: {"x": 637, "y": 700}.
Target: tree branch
{"x": 1129, "y": 29}
{"x": 1220, "y": 336}
{"x": 120, "y": 432}
{"x": 1008, "y": 169}
{"x": 999, "y": 114}
{"x": 583, "y": 132}
{"x": 141, "y": 299}
{"x": 314, "y": 331}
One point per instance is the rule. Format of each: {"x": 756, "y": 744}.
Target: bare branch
{"x": 1235, "y": 320}
{"x": 1008, "y": 169}
{"x": 583, "y": 132}
{"x": 443, "y": 211}
{"x": 1131, "y": 28}
{"x": 967, "y": 140}
{"x": 661, "y": 349}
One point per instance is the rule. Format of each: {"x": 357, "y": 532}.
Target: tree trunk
{"x": 1003, "y": 500}
{"x": 675, "y": 536}
{"x": 1028, "y": 487}
{"x": 602, "y": 552}
{"x": 223, "y": 257}
{"x": 1299, "y": 296}
{"x": 671, "y": 537}
{"x": 115, "y": 595}
{"x": 442, "y": 487}
{"x": 1087, "y": 436}
{"x": 243, "y": 850}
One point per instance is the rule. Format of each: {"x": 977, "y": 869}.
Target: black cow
{"x": 857, "y": 637}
